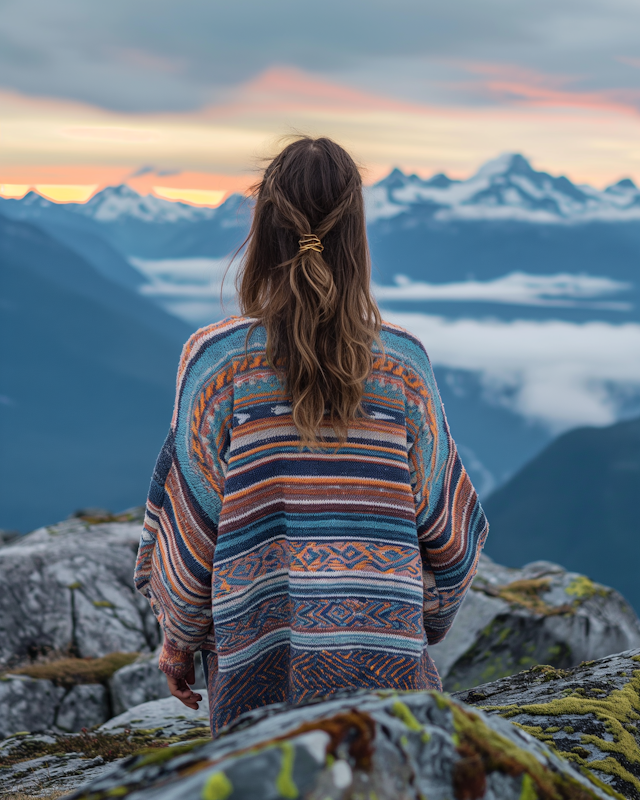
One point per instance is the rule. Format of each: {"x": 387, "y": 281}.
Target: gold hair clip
{"x": 309, "y": 241}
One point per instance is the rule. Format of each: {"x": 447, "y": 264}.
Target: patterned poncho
{"x": 300, "y": 572}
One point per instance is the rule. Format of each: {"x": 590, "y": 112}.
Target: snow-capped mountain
{"x": 118, "y": 202}
{"x": 523, "y": 286}
{"x": 506, "y": 188}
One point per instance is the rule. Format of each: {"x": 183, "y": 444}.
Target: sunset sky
{"x": 185, "y": 99}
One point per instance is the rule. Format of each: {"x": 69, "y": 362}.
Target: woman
{"x": 309, "y": 525}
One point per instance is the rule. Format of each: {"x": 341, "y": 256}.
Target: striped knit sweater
{"x": 298, "y": 572}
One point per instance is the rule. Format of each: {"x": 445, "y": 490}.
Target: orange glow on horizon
{"x": 592, "y": 137}
{"x": 66, "y": 193}
{"x": 196, "y": 197}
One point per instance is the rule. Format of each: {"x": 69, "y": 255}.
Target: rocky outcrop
{"x": 541, "y": 614}
{"x": 38, "y": 764}
{"x": 590, "y": 715}
{"x": 576, "y": 736}
{"x": 69, "y": 588}
{"x": 64, "y": 695}
{"x": 34, "y": 705}
{"x": 71, "y": 694}
{"x": 380, "y": 745}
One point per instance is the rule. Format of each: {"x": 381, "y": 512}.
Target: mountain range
{"x": 524, "y": 288}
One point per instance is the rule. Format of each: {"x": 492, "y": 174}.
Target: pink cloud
{"x": 509, "y": 83}
{"x": 287, "y": 89}
{"x": 629, "y": 61}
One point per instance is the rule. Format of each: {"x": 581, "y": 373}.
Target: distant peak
{"x": 625, "y": 183}
{"x": 507, "y": 163}
{"x": 440, "y": 181}
{"x": 394, "y": 179}
{"x": 122, "y": 190}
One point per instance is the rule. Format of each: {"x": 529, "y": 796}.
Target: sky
{"x": 187, "y": 99}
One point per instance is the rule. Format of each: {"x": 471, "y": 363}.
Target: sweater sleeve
{"x": 451, "y": 524}
{"x": 175, "y": 557}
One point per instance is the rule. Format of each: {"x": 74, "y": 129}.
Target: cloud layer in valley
{"x": 560, "y": 374}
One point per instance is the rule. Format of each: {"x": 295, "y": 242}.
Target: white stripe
{"x": 348, "y": 502}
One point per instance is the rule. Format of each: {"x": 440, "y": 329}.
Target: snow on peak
{"x": 504, "y": 164}
{"x": 505, "y": 188}
{"x": 116, "y": 202}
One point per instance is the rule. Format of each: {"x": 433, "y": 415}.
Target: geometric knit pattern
{"x": 301, "y": 572}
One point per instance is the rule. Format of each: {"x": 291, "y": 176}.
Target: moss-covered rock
{"x": 371, "y": 745}
{"x": 589, "y": 714}
{"x": 38, "y": 764}
{"x": 513, "y": 619}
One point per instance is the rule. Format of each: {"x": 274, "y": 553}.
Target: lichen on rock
{"x": 514, "y": 619}
{"x": 381, "y": 744}
{"x": 590, "y": 714}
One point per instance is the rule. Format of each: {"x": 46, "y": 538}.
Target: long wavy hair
{"x": 315, "y": 304}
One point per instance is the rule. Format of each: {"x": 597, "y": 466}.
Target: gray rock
{"x": 28, "y": 704}
{"x": 137, "y": 683}
{"x": 167, "y": 715}
{"x": 590, "y": 714}
{"x": 69, "y": 588}
{"x": 540, "y": 614}
{"x": 41, "y": 776}
{"x": 142, "y": 681}
{"x": 84, "y": 706}
{"x": 379, "y": 745}
{"x": 36, "y": 764}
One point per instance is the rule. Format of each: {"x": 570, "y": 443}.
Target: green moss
{"x": 75, "y": 585}
{"x": 583, "y": 588}
{"x": 526, "y": 594}
{"x": 284, "y": 781}
{"x": 103, "y": 604}
{"x": 503, "y": 634}
{"x": 159, "y": 756}
{"x": 109, "y": 746}
{"x": 502, "y": 755}
{"x": 69, "y": 672}
{"x": 528, "y": 789}
{"x": 402, "y": 711}
{"x": 615, "y": 712}
{"x": 217, "y": 787}
{"x": 581, "y": 751}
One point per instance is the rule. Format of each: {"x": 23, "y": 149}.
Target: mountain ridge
{"x": 575, "y": 503}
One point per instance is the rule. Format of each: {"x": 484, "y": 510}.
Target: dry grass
{"x": 50, "y": 795}
{"x": 111, "y": 746}
{"x": 72, "y": 671}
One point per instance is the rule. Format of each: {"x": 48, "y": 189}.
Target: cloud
{"x": 517, "y": 288}
{"x": 162, "y": 55}
{"x": 191, "y": 288}
{"x": 560, "y": 374}
{"x": 511, "y": 84}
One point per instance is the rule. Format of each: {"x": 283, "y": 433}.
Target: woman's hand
{"x": 179, "y": 687}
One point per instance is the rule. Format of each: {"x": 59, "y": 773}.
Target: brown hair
{"x": 317, "y": 308}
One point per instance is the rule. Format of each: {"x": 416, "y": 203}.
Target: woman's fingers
{"x": 180, "y": 689}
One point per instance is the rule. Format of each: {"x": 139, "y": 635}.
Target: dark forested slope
{"x": 577, "y": 504}
{"x": 87, "y": 375}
